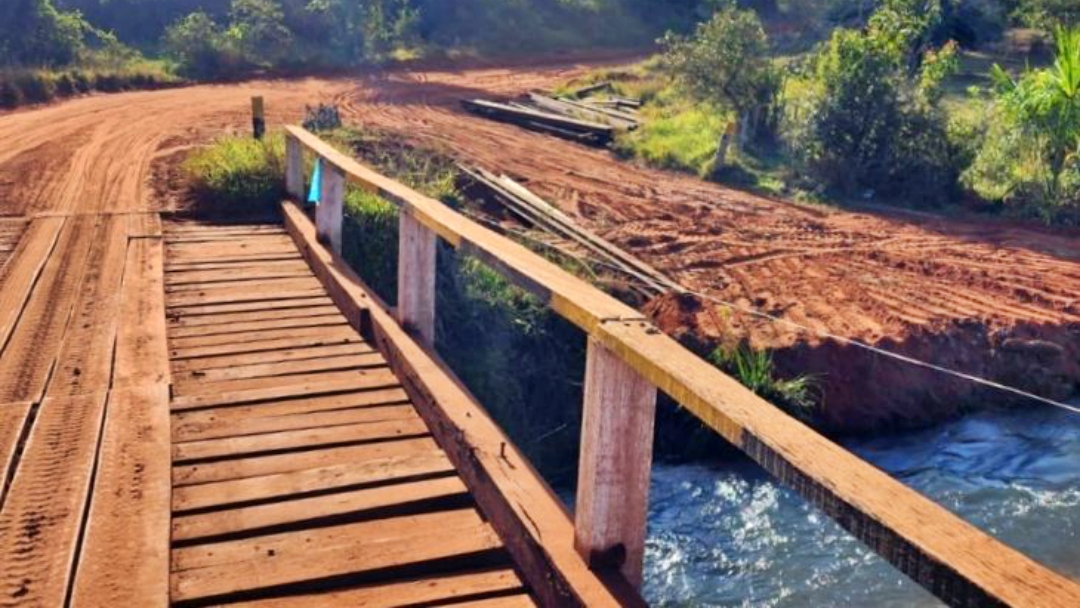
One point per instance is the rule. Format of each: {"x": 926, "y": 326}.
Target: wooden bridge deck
{"x": 187, "y": 417}
{"x": 300, "y": 467}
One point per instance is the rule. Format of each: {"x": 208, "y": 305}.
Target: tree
{"x": 259, "y": 28}
{"x": 873, "y": 125}
{"x": 200, "y": 47}
{"x": 1044, "y": 104}
{"x": 34, "y": 32}
{"x": 726, "y": 62}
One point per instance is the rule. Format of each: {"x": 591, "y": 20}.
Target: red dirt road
{"x": 984, "y": 297}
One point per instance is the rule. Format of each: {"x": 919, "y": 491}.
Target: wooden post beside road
{"x": 616, "y": 458}
{"x": 258, "y": 117}
{"x": 328, "y": 215}
{"x": 416, "y": 278}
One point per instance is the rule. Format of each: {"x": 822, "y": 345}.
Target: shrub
{"x": 370, "y": 238}
{"x": 322, "y": 117}
{"x": 871, "y": 124}
{"x": 201, "y": 49}
{"x": 238, "y": 175}
{"x": 726, "y": 63}
{"x": 754, "y": 370}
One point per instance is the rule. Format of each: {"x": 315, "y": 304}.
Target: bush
{"x": 871, "y": 124}
{"x": 370, "y": 238}
{"x": 200, "y": 49}
{"x": 238, "y": 176}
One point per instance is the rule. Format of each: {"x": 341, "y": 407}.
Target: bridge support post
{"x": 328, "y": 215}
{"x": 616, "y": 458}
{"x": 416, "y": 278}
{"x": 294, "y": 169}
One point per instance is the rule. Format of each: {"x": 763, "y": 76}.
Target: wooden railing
{"x": 628, "y": 360}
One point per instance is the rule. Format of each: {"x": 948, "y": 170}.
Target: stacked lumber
{"x": 588, "y": 121}
{"x": 542, "y": 215}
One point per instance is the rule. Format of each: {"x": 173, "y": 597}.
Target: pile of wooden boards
{"x": 588, "y": 121}
{"x": 542, "y": 215}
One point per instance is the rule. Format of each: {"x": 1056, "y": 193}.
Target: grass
{"x": 23, "y": 86}
{"x": 754, "y": 369}
{"x": 238, "y": 175}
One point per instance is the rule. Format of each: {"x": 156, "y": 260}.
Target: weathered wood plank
{"x": 429, "y": 462}
{"x": 336, "y": 327}
{"x": 309, "y": 438}
{"x": 187, "y": 382}
{"x": 615, "y": 461}
{"x": 313, "y": 351}
{"x": 12, "y": 422}
{"x": 226, "y": 275}
{"x": 325, "y": 337}
{"x": 246, "y": 519}
{"x": 213, "y": 428}
{"x": 292, "y": 386}
{"x": 240, "y": 328}
{"x": 303, "y": 406}
{"x": 225, "y": 287}
{"x": 233, "y": 295}
{"x": 330, "y": 211}
{"x": 125, "y": 553}
{"x": 142, "y": 355}
{"x": 225, "y": 319}
{"x": 145, "y": 225}
{"x": 190, "y": 312}
{"x": 435, "y": 590}
{"x": 24, "y": 265}
{"x": 85, "y": 364}
{"x": 43, "y": 513}
{"x": 31, "y": 351}
{"x": 338, "y": 550}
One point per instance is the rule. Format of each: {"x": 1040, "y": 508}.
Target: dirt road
{"x": 981, "y": 296}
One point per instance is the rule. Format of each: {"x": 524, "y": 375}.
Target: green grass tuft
{"x": 238, "y": 175}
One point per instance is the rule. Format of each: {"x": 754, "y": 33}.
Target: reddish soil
{"x": 983, "y": 296}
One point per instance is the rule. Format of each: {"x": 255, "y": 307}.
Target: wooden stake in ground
{"x": 258, "y": 117}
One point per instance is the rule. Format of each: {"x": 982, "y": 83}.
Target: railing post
{"x": 416, "y": 277}
{"x": 616, "y": 458}
{"x": 328, "y": 215}
{"x": 294, "y": 168}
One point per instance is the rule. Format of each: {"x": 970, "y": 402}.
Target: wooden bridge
{"x": 205, "y": 414}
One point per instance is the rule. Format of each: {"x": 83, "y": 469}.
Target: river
{"x": 728, "y": 535}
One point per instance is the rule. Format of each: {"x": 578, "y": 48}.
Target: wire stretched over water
{"x": 831, "y": 336}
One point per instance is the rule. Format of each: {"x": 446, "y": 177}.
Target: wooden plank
{"x": 306, "y": 406}
{"x": 333, "y": 376}
{"x": 18, "y": 275}
{"x": 125, "y": 554}
{"x": 292, "y": 386}
{"x": 243, "y": 294}
{"x": 255, "y": 425}
{"x": 431, "y": 462}
{"x": 236, "y": 328}
{"x": 437, "y": 589}
{"x": 181, "y": 344}
{"x": 85, "y": 364}
{"x": 184, "y": 312}
{"x": 142, "y": 355}
{"x": 145, "y": 225}
{"x": 273, "y": 464}
{"x": 309, "y": 438}
{"x": 12, "y": 422}
{"x": 222, "y": 275}
{"x": 314, "y": 351}
{"x": 340, "y": 550}
{"x": 258, "y": 517}
{"x": 43, "y": 513}
{"x": 326, "y": 337}
{"x": 951, "y": 558}
{"x": 188, "y": 380}
{"x": 32, "y": 349}
{"x": 330, "y": 211}
{"x": 253, "y": 316}
{"x": 416, "y": 278}
{"x": 283, "y": 285}
{"x": 615, "y": 461}
{"x": 528, "y": 516}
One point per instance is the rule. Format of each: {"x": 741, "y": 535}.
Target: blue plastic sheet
{"x": 316, "y": 184}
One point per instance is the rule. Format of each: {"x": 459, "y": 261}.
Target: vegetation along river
{"x": 728, "y": 535}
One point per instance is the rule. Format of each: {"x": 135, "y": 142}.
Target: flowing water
{"x": 728, "y": 535}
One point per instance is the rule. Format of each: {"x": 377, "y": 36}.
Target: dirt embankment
{"x": 984, "y": 297}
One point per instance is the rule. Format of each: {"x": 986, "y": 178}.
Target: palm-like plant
{"x": 1046, "y": 105}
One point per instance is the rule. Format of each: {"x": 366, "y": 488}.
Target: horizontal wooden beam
{"x": 945, "y": 554}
